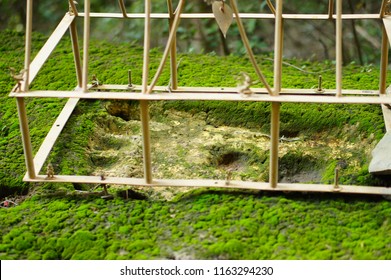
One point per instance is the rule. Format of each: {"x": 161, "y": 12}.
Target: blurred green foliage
{"x": 311, "y": 39}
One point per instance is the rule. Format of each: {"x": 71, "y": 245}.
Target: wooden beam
{"x": 331, "y": 9}
{"x": 123, "y": 8}
{"x": 76, "y": 53}
{"x": 387, "y": 26}
{"x": 299, "y": 98}
{"x": 27, "y": 53}
{"x": 383, "y": 8}
{"x": 53, "y": 134}
{"x": 242, "y": 16}
{"x": 73, "y": 8}
{"x": 86, "y": 43}
{"x": 338, "y": 46}
{"x": 275, "y": 108}
{"x": 147, "y": 44}
{"x": 173, "y": 54}
{"x": 147, "y": 159}
{"x": 144, "y": 107}
{"x": 26, "y": 140}
{"x": 262, "y": 186}
{"x": 233, "y": 90}
{"x": 383, "y": 62}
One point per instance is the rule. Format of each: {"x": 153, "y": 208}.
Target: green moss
{"x": 201, "y": 223}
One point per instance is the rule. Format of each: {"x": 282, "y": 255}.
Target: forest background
{"x": 361, "y": 38}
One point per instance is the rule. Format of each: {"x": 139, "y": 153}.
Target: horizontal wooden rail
{"x": 242, "y": 15}
{"x": 297, "y": 98}
{"x": 284, "y": 187}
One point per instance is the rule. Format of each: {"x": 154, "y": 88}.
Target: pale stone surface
{"x": 381, "y": 156}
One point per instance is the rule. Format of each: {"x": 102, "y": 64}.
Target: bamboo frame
{"x": 123, "y": 8}
{"x": 173, "y": 57}
{"x": 331, "y": 9}
{"x": 144, "y": 106}
{"x": 86, "y": 43}
{"x": 338, "y": 50}
{"x": 150, "y": 92}
{"x": 27, "y": 55}
{"x": 72, "y": 5}
{"x": 169, "y": 44}
{"x": 242, "y": 16}
{"x": 275, "y": 108}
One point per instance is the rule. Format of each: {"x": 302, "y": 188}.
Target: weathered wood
{"x": 265, "y": 186}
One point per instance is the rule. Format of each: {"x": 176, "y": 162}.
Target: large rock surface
{"x": 381, "y": 157}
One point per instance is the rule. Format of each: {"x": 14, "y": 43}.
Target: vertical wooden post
{"x": 24, "y": 129}
{"x": 338, "y": 51}
{"x": 123, "y": 8}
{"x": 275, "y": 107}
{"x": 173, "y": 60}
{"x": 331, "y": 9}
{"x": 384, "y": 62}
{"x": 383, "y": 8}
{"x": 27, "y": 55}
{"x": 144, "y": 109}
{"x": 76, "y": 52}
{"x": 86, "y": 43}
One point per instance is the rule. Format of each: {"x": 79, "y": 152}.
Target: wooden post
{"x": 383, "y": 8}
{"x": 86, "y": 43}
{"x": 27, "y": 56}
{"x": 384, "y": 61}
{"x": 123, "y": 8}
{"x": 72, "y": 6}
{"x": 76, "y": 52}
{"x": 246, "y": 43}
{"x": 144, "y": 109}
{"x": 24, "y": 129}
{"x": 275, "y": 107}
{"x": 331, "y": 9}
{"x": 339, "y": 58}
{"x": 173, "y": 60}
